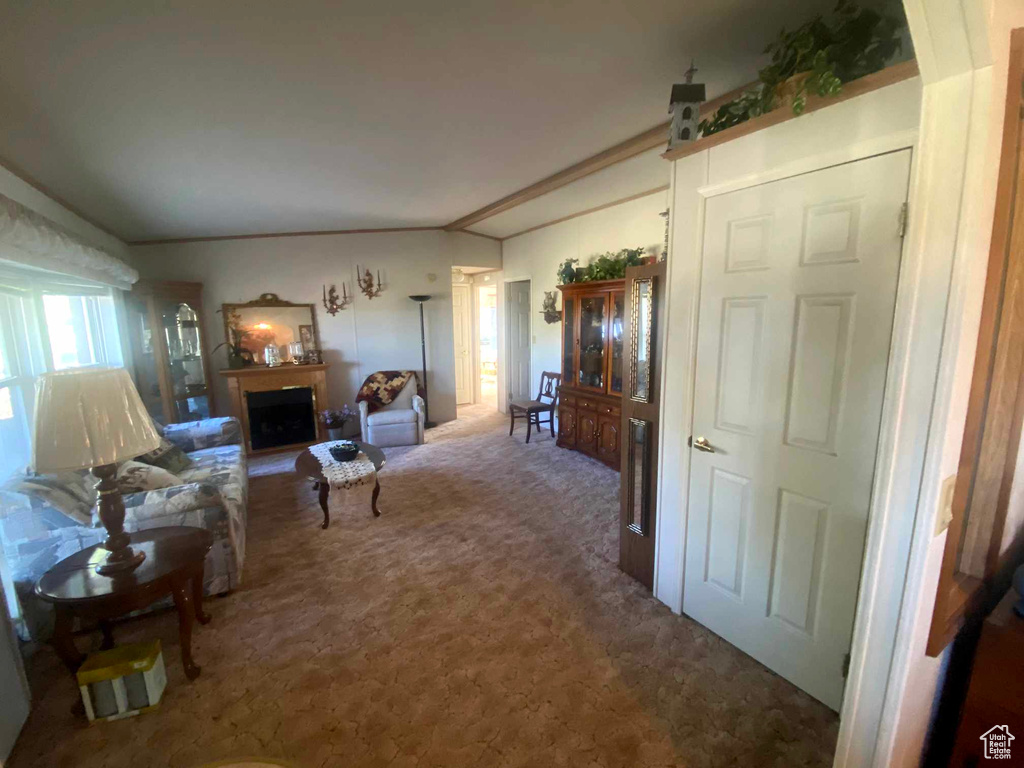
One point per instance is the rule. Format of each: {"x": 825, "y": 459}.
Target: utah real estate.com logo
{"x": 997, "y": 742}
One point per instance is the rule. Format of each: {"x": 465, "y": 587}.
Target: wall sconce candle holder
{"x": 366, "y": 284}
{"x": 330, "y": 301}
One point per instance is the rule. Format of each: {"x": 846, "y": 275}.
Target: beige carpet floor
{"x": 480, "y": 621}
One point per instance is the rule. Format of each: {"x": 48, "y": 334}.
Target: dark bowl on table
{"x": 344, "y": 452}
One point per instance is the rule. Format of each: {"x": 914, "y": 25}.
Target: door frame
{"x": 478, "y": 287}
{"x": 505, "y": 349}
{"x": 917, "y": 371}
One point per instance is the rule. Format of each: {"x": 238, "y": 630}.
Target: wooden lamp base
{"x": 121, "y": 557}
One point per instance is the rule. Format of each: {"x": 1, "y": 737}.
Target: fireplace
{"x": 281, "y": 417}
{"x": 277, "y": 406}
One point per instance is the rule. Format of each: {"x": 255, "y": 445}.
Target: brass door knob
{"x": 702, "y": 444}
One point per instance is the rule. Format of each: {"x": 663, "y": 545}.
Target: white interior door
{"x": 798, "y": 292}
{"x": 518, "y": 312}
{"x": 462, "y": 326}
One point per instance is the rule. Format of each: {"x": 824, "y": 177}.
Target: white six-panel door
{"x": 798, "y": 292}
{"x": 462, "y": 329}
{"x": 518, "y": 309}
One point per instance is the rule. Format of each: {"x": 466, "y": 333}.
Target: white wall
{"x": 369, "y": 335}
{"x": 538, "y": 254}
{"x": 468, "y": 250}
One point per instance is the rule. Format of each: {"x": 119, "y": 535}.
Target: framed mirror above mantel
{"x": 251, "y": 327}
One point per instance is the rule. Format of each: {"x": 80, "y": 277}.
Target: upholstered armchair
{"x": 400, "y": 422}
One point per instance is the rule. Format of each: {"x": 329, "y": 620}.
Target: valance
{"x": 30, "y": 239}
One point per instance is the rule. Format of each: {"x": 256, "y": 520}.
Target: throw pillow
{"x": 71, "y": 493}
{"x": 167, "y": 456}
{"x": 134, "y": 476}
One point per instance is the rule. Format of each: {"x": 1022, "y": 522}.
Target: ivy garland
{"x": 610, "y": 266}
{"x": 816, "y": 58}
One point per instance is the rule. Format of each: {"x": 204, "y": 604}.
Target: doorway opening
{"x": 487, "y": 333}
{"x": 462, "y": 330}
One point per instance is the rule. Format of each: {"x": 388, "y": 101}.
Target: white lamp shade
{"x": 89, "y": 417}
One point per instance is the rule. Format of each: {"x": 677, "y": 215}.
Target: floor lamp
{"x": 420, "y": 299}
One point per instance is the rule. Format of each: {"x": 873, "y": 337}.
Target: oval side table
{"x": 173, "y": 566}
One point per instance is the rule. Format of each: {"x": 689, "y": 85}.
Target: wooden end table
{"x": 306, "y": 464}
{"x": 173, "y": 566}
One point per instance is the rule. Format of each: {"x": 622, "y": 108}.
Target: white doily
{"x": 343, "y": 475}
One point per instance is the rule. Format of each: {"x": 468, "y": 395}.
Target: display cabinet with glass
{"x": 169, "y": 350}
{"x": 589, "y": 410}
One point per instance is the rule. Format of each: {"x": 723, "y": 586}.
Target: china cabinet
{"x": 589, "y": 403}
{"x": 169, "y": 349}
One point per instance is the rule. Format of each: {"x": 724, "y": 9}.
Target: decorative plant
{"x": 238, "y": 355}
{"x": 816, "y": 58}
{"x": 333, "y": 418}
{"x": 611, "y": 266}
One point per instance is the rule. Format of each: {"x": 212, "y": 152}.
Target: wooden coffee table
{"x": 173, "y": 566}
{"x": 307, "y": 465}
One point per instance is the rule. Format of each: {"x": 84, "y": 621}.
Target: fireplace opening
{"x": 281, "y": 417}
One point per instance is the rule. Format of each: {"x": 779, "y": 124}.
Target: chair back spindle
{"x": 549, "y": 387}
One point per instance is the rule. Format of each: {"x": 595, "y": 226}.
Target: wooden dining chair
{"x": 532, "y": 410}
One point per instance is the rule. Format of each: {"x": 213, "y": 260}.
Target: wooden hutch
{"x": 590, "y": 396}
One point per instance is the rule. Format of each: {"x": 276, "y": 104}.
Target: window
{"x": 81, "y": 329}
{"x": 46, "y": 326}
{"x": 18, "y": 371}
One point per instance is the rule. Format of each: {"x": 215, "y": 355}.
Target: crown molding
{"x": 612, "y": 204}
{"x": 265, "y": 235}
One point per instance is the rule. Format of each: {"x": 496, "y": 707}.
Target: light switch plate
{"x": 945, "y": 516}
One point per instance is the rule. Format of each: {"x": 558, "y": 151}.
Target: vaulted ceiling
{"x": 194, "y": 118}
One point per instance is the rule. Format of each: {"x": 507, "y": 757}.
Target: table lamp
{"x": 92, "y": 418}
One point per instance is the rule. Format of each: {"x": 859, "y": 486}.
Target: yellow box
{"x": 122, "y": 682}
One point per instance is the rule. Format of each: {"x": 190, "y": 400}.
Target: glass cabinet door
{"x": 640, "y": 352}
{"x": 185, "y": 361}
{"x": 568, "y": 340}
{"x": 146, "y": 363}
{"x": 593, "y": 316}
{"x": 618, "y": 312}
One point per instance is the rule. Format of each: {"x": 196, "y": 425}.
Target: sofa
{"x": 36, "y": 532}
{"x": 400, "y": 422}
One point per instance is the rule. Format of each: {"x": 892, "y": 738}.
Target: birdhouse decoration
{"x": 684, "y": 106}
